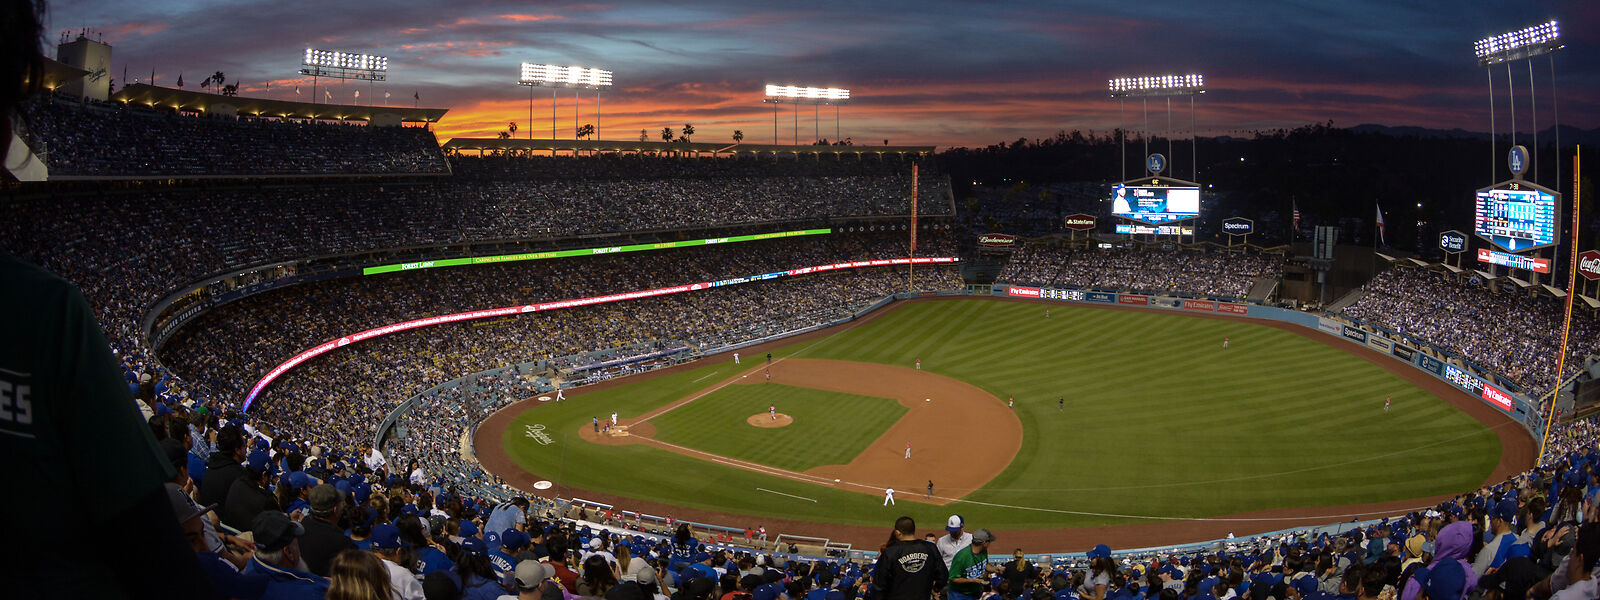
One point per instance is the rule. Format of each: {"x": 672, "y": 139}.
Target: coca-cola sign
{"x": 1080, "y": 222}
{"x": 999, "y": 240}
{"x": 1589, "y": 264}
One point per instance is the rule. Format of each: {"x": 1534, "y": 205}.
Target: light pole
{"x": 779, "y": 94}
{"x": 555, "y": 77}
{"x": 1165, "y": 86}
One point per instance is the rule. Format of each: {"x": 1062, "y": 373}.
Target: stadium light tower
{"x": 555, "y": 77}
{"x": 1523, "y": 44}
{"x": 334, "y": 64}
{"x": 780, "y": 94}
{"x": 1158, "y": 86}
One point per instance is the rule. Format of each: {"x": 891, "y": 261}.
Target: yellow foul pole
{"x": 1572, "y": 289}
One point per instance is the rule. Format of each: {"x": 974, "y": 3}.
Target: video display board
{"x": 1155, "y": 204}
{"x": 1516, "y": 216}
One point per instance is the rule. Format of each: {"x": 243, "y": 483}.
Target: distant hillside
{"x": 1570, "y": 135}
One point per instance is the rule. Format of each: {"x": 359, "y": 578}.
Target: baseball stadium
{"x": 782, "y": 349}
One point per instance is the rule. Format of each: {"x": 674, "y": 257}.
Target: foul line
{"x": 783, "y": 494}
{"x": 703, "y": 393}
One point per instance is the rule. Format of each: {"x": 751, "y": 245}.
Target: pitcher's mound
{"x": 766, "y": 420}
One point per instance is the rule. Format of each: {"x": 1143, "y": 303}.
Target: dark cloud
{"x": 952, "y": 73}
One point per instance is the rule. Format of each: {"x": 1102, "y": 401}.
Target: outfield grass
{"x": 829, "y": 428}
{"x": 1159, "y": 420}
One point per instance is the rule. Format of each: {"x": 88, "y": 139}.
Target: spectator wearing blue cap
{"x": 1444, "y": 581}
{"x": 473, "y": 573}
{"x": 291, "y": 493}
{"x": 278, "y": 557}
{"x": 503, "y": 557}
{"x": 1502, "y": 521}
{"x": 385, "y": 542}
{"x": 249, "y": 495}
{"x": 1098, "y": 579}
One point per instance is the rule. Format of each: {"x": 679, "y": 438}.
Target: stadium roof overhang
{"x": 1555, "y": 291}
{"x": 497, "y": 144}
{"x": 1590, "y": 301}
{"x": 57, "y": 74}
{"x": 177, "y": 99}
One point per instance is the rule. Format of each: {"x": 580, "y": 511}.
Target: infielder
{"x": 1224, "y": 342}
{"x": 919, "y": 364}
{"x": 736, "y": 358}
{"x": 908, "y": 450}
{"x": 1011, "y": 401}
{"x": 888, "y": 496}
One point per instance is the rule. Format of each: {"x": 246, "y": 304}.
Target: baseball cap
{"x": 1100, "y": 551}
{"x": 385, "y": 537}
{"x": 469, "y": 529}
{"x": 982, "y": 536}
{"x": 182, "y": 507}
{"x": 515, "y": 540}
{"x": 1506, "y": 510}
{"x": 323, "y": 498}
{"x": 273, "y": 530}
{"x": 474, "y": 546}
{"x": 531, "y": 573}
{"x": 299, "y": 480}
{"x": 259, "y": 461}
{"x": 954, "y": 523}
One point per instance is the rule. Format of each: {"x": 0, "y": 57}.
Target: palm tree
{"x": 512, "y": 127}
{"x": 643, "y": 135}
{"x": 666, "y": 134}
{"x": 738, "y": 136}
{"x": 688, "y": 130}
{"x": 586, "y": 130}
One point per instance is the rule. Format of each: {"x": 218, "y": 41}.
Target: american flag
{"x": 1380, "y": 226}
{"x": 1296, "y": 218}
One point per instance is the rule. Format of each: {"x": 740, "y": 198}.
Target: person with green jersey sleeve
{"x": 970, "y": 567}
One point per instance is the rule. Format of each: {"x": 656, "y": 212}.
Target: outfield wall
{"x": 1438, "y": 362}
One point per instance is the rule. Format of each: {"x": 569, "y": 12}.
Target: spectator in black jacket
{"x": 908, "y": 568}
{"x": 324, "y": 537}
{"x": 222, "y": 467}
{"x": 249, "y": 495}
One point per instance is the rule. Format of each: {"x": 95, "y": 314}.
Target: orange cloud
{"x": 526, "y": 18}
{"x": 134, "y": 29}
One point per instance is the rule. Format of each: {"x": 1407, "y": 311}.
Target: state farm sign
{"x": 1589, "y": 264}
{"x": 1080, "y": 222}
{"x": 996, "y": 239}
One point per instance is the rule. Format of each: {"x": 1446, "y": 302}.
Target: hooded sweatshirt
{"x": 1453, "y": 543}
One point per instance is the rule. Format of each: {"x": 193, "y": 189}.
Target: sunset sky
{"x": 945, "y": 73}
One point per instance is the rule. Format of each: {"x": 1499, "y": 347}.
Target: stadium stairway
{"x": 1262, "y": 289}
{"x": 1345, "y": 300}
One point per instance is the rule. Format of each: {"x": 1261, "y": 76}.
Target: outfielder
{"x": 559, "y": 397}
{"x": 736, "y": 358}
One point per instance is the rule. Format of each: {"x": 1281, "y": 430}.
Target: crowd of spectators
{"x": 1516, "y": 334}
{"x": 113, "y": 140}
{"x": 1198, "y": 272}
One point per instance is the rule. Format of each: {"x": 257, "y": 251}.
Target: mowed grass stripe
{"x": 828, "y": 428}
{"x": 1159, "y": 420}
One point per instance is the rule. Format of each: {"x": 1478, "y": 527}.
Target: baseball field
{"x": 1092, "y": 419}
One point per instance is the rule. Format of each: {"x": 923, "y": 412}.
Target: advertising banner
{"x": 1205, "y": 305}
{"x": 1404, "y": 353}
{"x": 1132, "y": 299}
{"x": 1231, "y": 308}
{"x": 1380, "y": 343}
{"x": 1329, "y": 325}
{"x": 1022, "y": 292}
{"x": 1104, "y": 297}
{"x": 1355, "y": 333}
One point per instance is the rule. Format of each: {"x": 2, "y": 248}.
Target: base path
{"x": 941, "y": 413}
{"x": 1517, "y": 452}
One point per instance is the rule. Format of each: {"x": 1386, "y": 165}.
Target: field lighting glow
{"x": 1522, "y": 43}
{"x": 1173, "y": 83}
{"x": 555, "y": 75}
{"x": 806, "y": 93}
{"x": 345, "y": 60}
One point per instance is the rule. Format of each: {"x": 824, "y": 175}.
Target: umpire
{"x": 908, "y": 568}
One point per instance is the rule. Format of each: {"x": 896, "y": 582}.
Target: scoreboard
{"x": 1516, "y": 217}
{"x": 1155, "y": 204}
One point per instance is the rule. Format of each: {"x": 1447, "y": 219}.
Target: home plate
{"x": 836, "y": 481}
{"x": 927, "y": 399}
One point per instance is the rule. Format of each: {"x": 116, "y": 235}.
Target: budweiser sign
{"x": 996, "y": 240}
{"x": 1589, "y": 264}
{"x": 1080, "y": 222}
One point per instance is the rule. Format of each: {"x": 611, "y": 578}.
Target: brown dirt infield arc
{"x": 770, "y": 421}
{"x": 1517, "y": 452}
{"x": 933, "y": 403}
